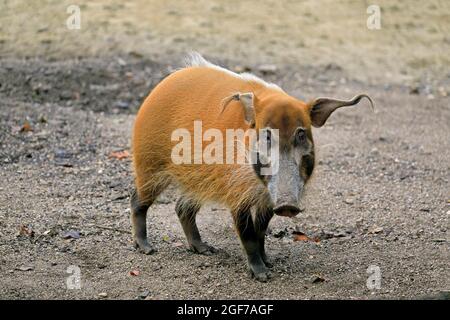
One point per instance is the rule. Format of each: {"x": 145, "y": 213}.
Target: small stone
{"x": 25, "y": 268}
{"x": 50, "y": 233}
{"x": 374, "y": 152}
{"x": 281, "y": 233}
{"x": 375, "y": 229}
{"x": 102, "y": 295}
{"x": 414, "y": 90}
{"x": 349, "y": 201}
{"x": 267, "y": 69}
{"x": 122, "y": 105}
{"x": 62, "y": 154}
{"x": 65, "y": 95}
{"x": 442, "y": 92}
{"x": 71, "y": 234}
{"x": 240, "y": 69}
{"x": 317, "y": 279}
{"x": 118, "y": 196}
{"x": 144, "y": 294}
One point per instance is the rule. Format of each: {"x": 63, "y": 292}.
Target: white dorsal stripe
{"x": 195, "y": 59}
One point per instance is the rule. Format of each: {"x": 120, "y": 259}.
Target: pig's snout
{"x": 286, "y": 210}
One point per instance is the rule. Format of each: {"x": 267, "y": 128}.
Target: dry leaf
{"x": 177, "y": 244}
{"x": 26, "y": 231}
{"x": 26, "y": 127}
{"x": 134, "y": 273}
{"x": 119, "y": 155}
{"x": 300, "y": 236}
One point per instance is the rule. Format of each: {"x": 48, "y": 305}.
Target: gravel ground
{"x": 379, "y": 197}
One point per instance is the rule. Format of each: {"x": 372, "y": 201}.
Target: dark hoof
{"x": 260, "y": 273}
{"x": 263, "y": 276}
{"x": 203, "y": 248}
{"x": 144, "y": 247}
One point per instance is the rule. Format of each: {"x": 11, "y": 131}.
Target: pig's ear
{"x": 246, "y": 100}
{"x": 322, "y": 108}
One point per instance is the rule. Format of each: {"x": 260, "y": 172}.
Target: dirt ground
{"x": 380, "y": 193}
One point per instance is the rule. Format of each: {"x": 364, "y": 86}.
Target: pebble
{"x": 65, "y": 95}
{"x": 25, "y": 268}
{"x": 122, "y": 104}
{"x": 71, "y": 234}
{"x": 442, "y": 91}
{"x": 103, "y": 295}
{"x": 144, "y": 294}
{"x": 316, "y": 279}
{"x": 414, "y": 90}
{"x": 267, "y": 68}
{"x": 62, "y": 154}
{"x": 349, "y": 201}
{"x": 240, "y": 69}
{"x": 375, "y": 229}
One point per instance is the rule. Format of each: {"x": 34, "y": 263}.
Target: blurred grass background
{"x": 414, "y": 39}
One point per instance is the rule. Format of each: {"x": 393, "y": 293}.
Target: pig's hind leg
{"x": 139, "y": 222}
{"x": 187, "y": 209}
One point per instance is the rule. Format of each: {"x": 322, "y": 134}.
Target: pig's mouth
{"x": 287, "y": 211}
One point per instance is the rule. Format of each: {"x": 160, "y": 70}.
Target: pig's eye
{"x": 268, "y": 137}
{"x": 300, "y": 136}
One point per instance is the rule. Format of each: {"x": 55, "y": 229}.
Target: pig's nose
{"x": 286, "y": 210}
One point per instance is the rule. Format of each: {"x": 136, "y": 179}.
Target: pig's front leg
{"x": 252, "y": 246}
{"x": 262, "y": 220}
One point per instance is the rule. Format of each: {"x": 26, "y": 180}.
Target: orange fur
{"x": 197, "y": 93}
